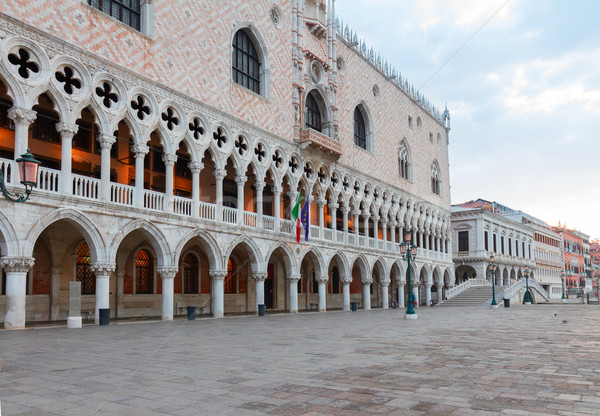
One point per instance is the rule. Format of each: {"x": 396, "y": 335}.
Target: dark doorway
{"x": 269, "y": 286}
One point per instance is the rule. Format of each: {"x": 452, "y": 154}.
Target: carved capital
{"x": 66, "y": 130}
{"x": 196, "y": 167}
{"x": 346, "y": 279}
{"x": 103, "y": 269}
{"x": 259, "y": 185}
{"x": 218, "y": 274}
{"x": 241, "y": 179}
{"x": 106, "y": 141}
{"x": 140, "y": 149}
{"x": 276, "y": 189}
{"x": 294, "y": 277}
{"x": 220, "y": 173}
{"x": 169, "y": 159}
{"x": 22, "y": 115}
{"x": 367, "y": 282}
{"x": 168, "y": 272}
{"x": 17, "y": 264}
{"x": 376, "y": 218}
{"x": 334, "y": 205}
{"x": 322, "y": 279}
{"x": 260, "y": 276}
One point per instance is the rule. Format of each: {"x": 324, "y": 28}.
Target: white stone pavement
{"x": 524, "y": 360}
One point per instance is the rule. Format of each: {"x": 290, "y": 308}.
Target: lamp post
{"x": 409, "y": 252}
{"x": 28, "y": 168}
{"x": 527, "y": 295}
{"x": 493, "y": 270}
{"x": 562, "y": 278}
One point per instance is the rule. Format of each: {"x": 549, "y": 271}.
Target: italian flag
{"x": 296, "y": 216}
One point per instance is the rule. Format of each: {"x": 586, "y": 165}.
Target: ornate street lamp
{"x": 562, "y": 278}
{"x": 28, "y": 168}
{"x": 493, "y": 267}
{"x": 527, "y": 295}
{"x": 409, "y": 252}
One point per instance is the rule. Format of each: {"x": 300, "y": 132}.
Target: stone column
{"x": 195, "y": 168}
{"x": 168, "y": 280}
{"x": 219, "y": 176}
{"x": 321, "y": 204}
{"x": 367, "y": 294}
{"x": 140, "y": 151}
{"x": 22, "y": 118}
{"x": 169, "y": 161}
{"x": 420, "y": 235}
{"x": 346, "y": 280}
{"x": 67, "y": 131}
{"x": 376, "y": 229}
{"x": 106, "y": 142}
{"x": 55, "y": 293}
{"x": 384, "y": 294}
{"x": 427, "y": 294}
{"x": 333, "y": 206}
{"x": 277, "y": 207}
{"x": 217, "y": 292}
{"x": 259, "y": 289}
{"x": 102, "y": 272}
{"x": 393, "y": 231}
{"x": 367, "y": 215}
{"x": 240, "y": 181}
{"x": 401, "y": 303}
{"x": 260, "y": 186}
{"x": 440, "y": 292}
{"x": 345, "y": 211}
{"x": 293, "y": 278}
{"x": 356, "y": 214}
{"x": 16, "y": 269}
{"x": 384, "y": 225}
{"x": 322, "y": 280}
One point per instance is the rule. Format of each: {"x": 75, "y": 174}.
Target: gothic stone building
{"x": 175, "y": 137}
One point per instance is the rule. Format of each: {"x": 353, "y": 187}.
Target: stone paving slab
{"x": 535, "y": 360}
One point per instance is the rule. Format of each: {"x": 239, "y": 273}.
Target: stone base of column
{"x": 494, "y": 306}
{"x": 74, "y": 322}
{"x": 527, "y": 303}
{"x": 410, "y": 316}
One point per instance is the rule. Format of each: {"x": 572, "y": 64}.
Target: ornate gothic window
{"x": 403, "y": 161}
{"x": 144, "y": 273}
{"x": 360, "y": 133}
{"x": 245, "y": 62}
{"x": 313, "y": 113}
{"x": 190, "y": 274}
{"x": 126, "y": 11}
{"x": 83, "y": 272}
{"x": 435, "y": 179}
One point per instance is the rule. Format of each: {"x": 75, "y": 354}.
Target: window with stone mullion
{"x": 246, "y": 66}
{"x": 360, "y": 138}
{"x": 126, "y": 11}
{"x": 313, "y": 114}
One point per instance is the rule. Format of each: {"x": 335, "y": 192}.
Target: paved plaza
{"x": 536, "y": 360}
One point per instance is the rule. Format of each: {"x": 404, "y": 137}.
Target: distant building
{"x": 480, "y": 228}
{"x": 573, "y": 258}
{"x": 595, "y": 257}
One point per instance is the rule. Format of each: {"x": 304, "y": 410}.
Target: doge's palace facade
{"x": 175, "y": 138}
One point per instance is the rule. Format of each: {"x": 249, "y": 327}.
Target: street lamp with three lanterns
{"x": 527, "y": 294}
{"x": 493, "y": 267}
{"x": 409, "y": 252}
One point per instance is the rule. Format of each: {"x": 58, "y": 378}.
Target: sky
{"x": 521, "y": 79}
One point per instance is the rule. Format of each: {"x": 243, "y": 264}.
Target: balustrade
{"x": 121, "y": 194}
{"x": 182, "y": 206}
{"x": 154, "y": 200}
{"x": 86, "y": 187}
{"x": 230, "y": 215}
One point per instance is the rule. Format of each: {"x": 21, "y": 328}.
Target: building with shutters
{"x": 174, "y": 140}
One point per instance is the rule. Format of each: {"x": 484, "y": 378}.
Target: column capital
{"x": 277, "y": 189}
{"x": 376, "y": 217}
{"x": 167, "y": 271}
{"x": 346, "y": 279}
{"x": 322, "y": 279}
{"x": 21, "y": 115}
{"x": 334, "y": 205}
{"x": 428, "y": 285}
{"x": 385, "y": 283}
{"x": 295, "y": 277}
{"x": 106, "y": 140}
{"x": 321, "y": 202}
{"x": 196, "y": 167}
{"x": 169, "y": 159}
{"x": 241, "y": 179}
{"x": 220, "y": 173}
{"x": 103, "y": 269}
{"x": 345, "y": 209}
{"x": 17, "y": 264}
{"x": 367, "y": 282}
{"x": 260, "y": 276}
{"x": 393, "y": 223}
{"x": 366, "y": 214}
{"x": 218, "y": 274}
{"x": 66, "y": 129}
{"x": 259, "y": 185}
{"x": 140, "y": 149}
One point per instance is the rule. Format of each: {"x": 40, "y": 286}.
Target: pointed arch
{"x": 314, "y": 252}
{"x": 210, "y": 246}
{"x": 363, "y": 127}
{"x": 288, "y": 258}
{"x": 259, "y": 80}
{"x": 9, "y": 242}
{"x": 82, "y": 223}
{"x": 252, "y": 249}
{"x": 159, "y": 243}
{"x": 404, "y": 160}
{"x": 342, "y": 262}
{"x": 317, "y": 112}
{"x": 363, "y": 265}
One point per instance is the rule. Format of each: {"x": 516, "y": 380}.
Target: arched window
{"x": 435, "y": 179}
{"x": 313, "y": 113}
{"x": 335, "y": 280}
{"x": 228, "y": 284}
{"x": 190, "y": 274}
{"x": 83, "y": 272}
{"x": 360, "y": 133}
{"x": 144, "y": 276}
{"x": 245, "y": 62}
{"x": 403, "y": 162}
